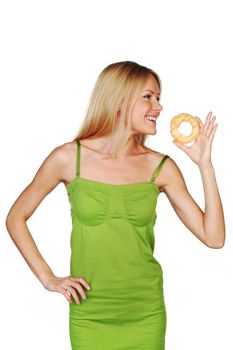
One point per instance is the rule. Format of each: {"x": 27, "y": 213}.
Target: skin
{"x": 132, "y": 164}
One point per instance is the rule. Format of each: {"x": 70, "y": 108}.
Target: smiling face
{"x": 147, "y": 106}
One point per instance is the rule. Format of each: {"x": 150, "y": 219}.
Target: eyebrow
{"x": 152, "y": 91}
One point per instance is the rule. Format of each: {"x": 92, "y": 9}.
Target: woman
{"x": 115, "y": 287}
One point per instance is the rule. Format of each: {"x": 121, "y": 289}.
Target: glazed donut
{"x": 175, "y": 123}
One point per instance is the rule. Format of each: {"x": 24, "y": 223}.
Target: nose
{"x": 157, "y": 107}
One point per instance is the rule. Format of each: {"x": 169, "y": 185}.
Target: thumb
{"x": 180, "y": 145}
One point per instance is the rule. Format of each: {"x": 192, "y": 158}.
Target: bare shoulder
{"x": 63, "y": 156}
{"x": 50, "y": 173}
{"x": 54, "y": 167}
{"x": 170, "y": 176}
{"x": 65, "y": 150}
{"x": 169, "y": 171}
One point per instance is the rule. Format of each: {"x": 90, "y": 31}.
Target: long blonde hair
{"x": 116, "y": 89}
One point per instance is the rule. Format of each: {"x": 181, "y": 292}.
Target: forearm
{"x": 25, "y": 243}
{"x": 214, "y": 223}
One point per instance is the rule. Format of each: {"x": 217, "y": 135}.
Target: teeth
{"x": 151, "y": 118}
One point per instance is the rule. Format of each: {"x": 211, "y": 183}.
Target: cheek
{"x": 140, "y": 107}
{"x": 138, "y": 114}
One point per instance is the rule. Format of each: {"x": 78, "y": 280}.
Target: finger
{"x": 209, "y": 116}
{"x": 199, "y": 120}
{"x": 82, "y": 281}
{"x": 211, "y": 136}
{"x": 207, "y": 123}
{"x": 181, "y": 145}
{"x": 65, "y": 293}
{"x": 78, "y": 287}
{"x": 210, "y": 127}
{"x": 73, "y": 293}
{"x": 201, "y": 128}
{"x": 200, "y": 123}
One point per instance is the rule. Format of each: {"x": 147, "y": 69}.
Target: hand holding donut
{"x": 175, "y": 123}
{"x": 203, "y": 134}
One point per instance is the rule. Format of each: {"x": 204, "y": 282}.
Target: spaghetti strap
{"x": 78, "y": 159}
{"x": 157, "y": 170}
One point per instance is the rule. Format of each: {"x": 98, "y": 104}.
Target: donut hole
{"x": 185, "y": 128}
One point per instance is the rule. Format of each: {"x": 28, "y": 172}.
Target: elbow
{"x": 7, "y": 222}
{"x": 216, "y": 245}
{"x": 13, "y": 220}
{"x": 10, "y": 223}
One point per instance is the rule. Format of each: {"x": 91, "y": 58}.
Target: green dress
{"x": 112, "y": 244}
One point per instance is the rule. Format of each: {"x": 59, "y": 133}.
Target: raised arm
{"x": 207, "y": 226}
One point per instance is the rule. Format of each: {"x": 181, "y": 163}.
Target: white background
{"x": 51, "y": 55}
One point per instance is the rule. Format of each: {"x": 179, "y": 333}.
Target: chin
{"x": 152, "y": 132}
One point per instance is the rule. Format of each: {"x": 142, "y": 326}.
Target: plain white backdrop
{"x": 51, "y": 55}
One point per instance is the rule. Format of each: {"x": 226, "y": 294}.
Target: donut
{"x": 175, "y": 123}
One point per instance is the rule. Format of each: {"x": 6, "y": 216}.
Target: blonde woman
{"x": 115, "y": 287}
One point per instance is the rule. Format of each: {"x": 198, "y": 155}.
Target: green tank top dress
{"x": 112, "y": 244}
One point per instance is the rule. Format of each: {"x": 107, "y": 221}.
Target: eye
{"x": 158, "y": 99}
{"x": 147, "y": 96}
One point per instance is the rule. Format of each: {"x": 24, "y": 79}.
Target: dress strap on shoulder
{"x": 78, "y": 159}
{"x": 157, "y": 170}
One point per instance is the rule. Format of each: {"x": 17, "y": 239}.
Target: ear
{"x": 119, "y": 108}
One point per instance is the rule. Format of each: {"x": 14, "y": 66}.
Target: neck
{"x": 106, "y": 145}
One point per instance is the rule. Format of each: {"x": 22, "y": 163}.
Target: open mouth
{"x": 151, "y": 119}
